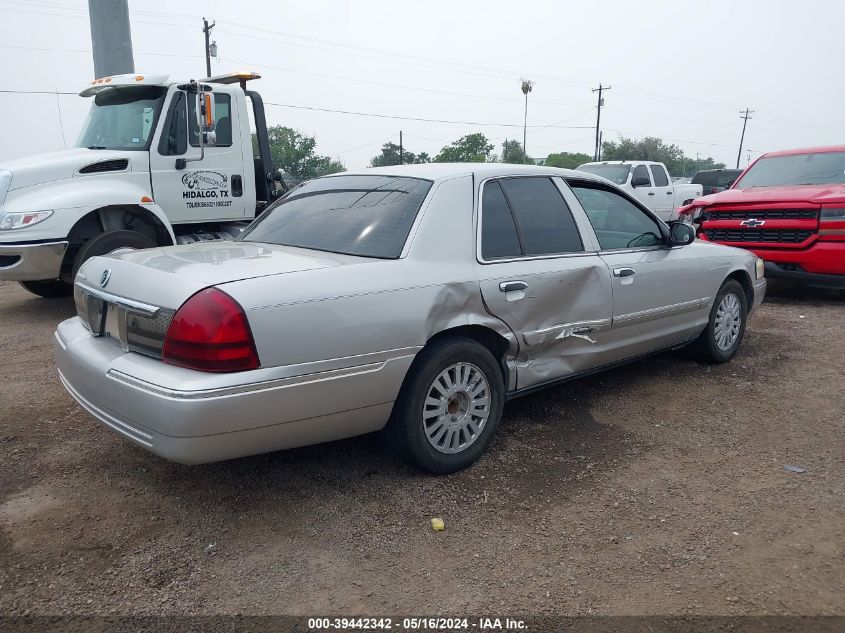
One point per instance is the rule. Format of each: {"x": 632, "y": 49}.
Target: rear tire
{"x": 48, "y": 289}
{"x": 449, "y": 406}
{"x": 722, "y": 337}
{"x": 105, "y": 243}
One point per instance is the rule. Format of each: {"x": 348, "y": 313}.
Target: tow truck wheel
{"x": 48, "y": 289}
{"x": 105, "y": 243}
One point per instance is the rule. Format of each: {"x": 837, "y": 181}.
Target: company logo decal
{"x": 206, "y": 189}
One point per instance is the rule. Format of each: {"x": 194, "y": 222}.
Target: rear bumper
{"x": 815, "y": 280}
{"x": 207, "y": 422}
{"x": 31, "y": 262}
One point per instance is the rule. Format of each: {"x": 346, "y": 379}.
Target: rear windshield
{"x": 614, "y": 173}
{"x": 722, "y": 178}
{"x": 369, "y": 216}
{"x": 821, "y": 168}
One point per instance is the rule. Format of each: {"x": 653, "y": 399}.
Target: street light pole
{"x": 527, "y": 85}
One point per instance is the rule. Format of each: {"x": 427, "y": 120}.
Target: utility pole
{"x": 601, "y": 136}
{"x": 111, "y": 37}
{"x": 527, "y": 86}
{"x": 600, "y": 89}
{"x": 206, "y": 29}
{"x": 744, "y": 116}
{"x": 401, "y": 151}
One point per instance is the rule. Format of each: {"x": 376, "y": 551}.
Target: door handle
{"x": 623, "y": 272}
{"x": 508, "y": 286}
{"x": 668, "y": 193}
{"x": 651, "y": 193}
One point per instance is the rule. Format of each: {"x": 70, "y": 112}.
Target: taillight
{"x": 210, "y": 332}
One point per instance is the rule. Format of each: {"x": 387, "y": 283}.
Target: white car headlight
{"x": 11, "y": 221}
{"x": 760, "y": 268}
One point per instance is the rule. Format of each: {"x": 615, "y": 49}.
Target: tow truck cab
{"x": 158, "y": 162}
{"x": 787, "y": 207}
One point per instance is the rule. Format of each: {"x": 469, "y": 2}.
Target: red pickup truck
{"x": 788, "y": 208}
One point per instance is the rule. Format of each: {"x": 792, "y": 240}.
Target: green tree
{"x": 295, "y": 153}
{"x": 512, "y": 153}
{"x": 652, "y": 148}
{"x": 567, "y": 160}
{"x": 472, "y": 148}
{"x": 390, "y": 156}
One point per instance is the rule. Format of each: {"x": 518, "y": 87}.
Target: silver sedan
{"x": 410, "y": 300}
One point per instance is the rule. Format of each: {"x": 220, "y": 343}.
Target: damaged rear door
{"x": 536, "y": 275}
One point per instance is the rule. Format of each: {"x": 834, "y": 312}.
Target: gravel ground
{"x": 657, "y": 488}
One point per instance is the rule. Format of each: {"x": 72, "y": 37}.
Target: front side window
{"x": 122, "y": 118}
{"x": 820, "y": 168}
{"x": 222, "y": 120}
{"x": 640, "y": 171}
{"x": 369, "y": 216}
{"x": 660, "y": 177}
{"x": 617, "y": 222}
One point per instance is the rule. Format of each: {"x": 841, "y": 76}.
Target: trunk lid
{"x": 132, "y": 296}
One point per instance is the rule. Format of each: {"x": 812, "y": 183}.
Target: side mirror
{"x": 640, "y": 181}
{"x": 205, "y": 118}
{"x": 681, "y": 233}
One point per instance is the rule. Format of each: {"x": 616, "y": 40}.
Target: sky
{"x": 680, "y": 71}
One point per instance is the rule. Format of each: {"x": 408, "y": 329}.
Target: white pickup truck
{"x": 649, "y": 182}
{"x": 158, "y": 162}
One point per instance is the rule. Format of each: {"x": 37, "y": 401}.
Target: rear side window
{"x": 369, "y": 216}
{"x": 544, "y": 222}
{"x": 525, "y": 217}
{"x": 660, "y": 177}
{"x": 498, "y": 231}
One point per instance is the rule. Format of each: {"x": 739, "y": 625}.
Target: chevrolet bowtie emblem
{"x": 752, "y": 223}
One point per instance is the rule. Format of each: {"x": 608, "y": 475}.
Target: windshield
{"x": 614, "y": 173}
{"x": 122, "y": 118}
{"x": 356, "y": 215}
{"x": 719, "y": 178}
{"x": 821, "y": 168}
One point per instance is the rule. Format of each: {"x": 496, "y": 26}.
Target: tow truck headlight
{"x": 11, "y": 221}
{"x": 760, "y": 268}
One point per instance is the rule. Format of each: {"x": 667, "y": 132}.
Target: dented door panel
{"x": 560, "y": 317}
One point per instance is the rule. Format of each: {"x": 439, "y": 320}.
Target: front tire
{"x": 449, "y": 406}
{"x": 722, "y": 337}
{"x": 48, "y": 289}
{"x": 105, "y": 243}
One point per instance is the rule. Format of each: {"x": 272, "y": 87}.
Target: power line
{"x": 424, "y": 120}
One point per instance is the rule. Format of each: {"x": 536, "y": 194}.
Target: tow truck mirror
{"x": 205, "y": 118}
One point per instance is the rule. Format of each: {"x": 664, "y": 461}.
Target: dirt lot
{"x": 657, "y": 488}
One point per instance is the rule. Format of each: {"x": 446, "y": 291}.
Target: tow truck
{"x": 158, "y": 162}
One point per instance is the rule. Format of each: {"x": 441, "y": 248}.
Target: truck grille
{"x": 782, "y": 236}
{"x": 762, "y": 214}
